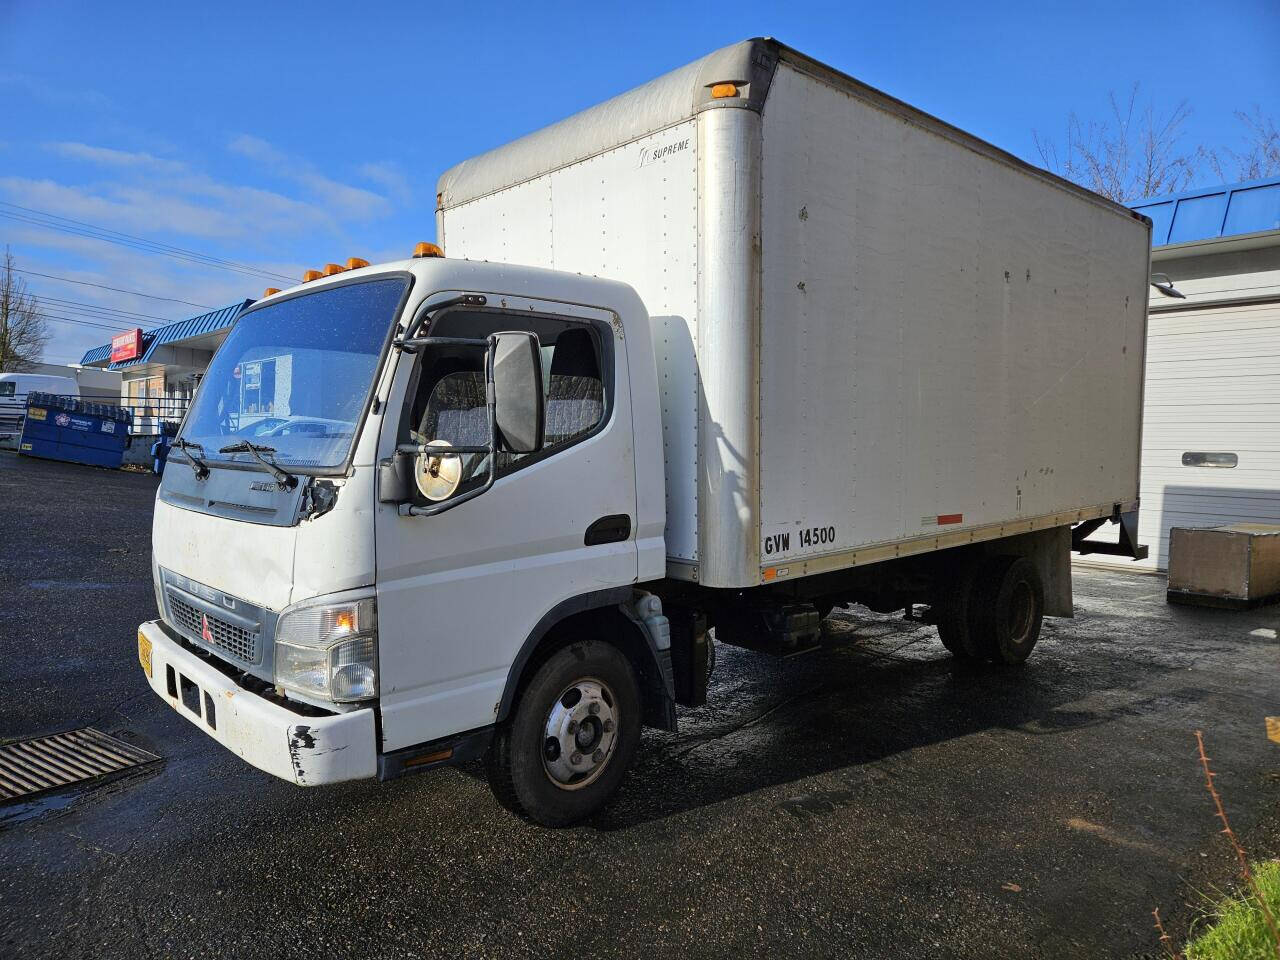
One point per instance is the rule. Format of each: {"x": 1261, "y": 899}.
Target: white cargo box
{"x": 876, "y": 334}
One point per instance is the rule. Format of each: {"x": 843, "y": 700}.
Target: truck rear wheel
{"x": 1007, "y": 609}
{"x": 568, "y": 742}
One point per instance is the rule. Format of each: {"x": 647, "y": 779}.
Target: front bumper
{"x": 308, "y": 751}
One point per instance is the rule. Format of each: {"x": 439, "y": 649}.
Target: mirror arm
{"x": 491, "y": 406}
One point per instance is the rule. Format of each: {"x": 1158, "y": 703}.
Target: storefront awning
{"x": 174, "y": 334}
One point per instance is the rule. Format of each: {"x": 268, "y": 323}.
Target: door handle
{"x": 611, "y": 529}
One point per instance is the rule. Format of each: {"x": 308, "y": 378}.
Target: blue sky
{"x": 291, "y": 136}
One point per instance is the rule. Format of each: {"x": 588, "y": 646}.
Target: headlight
{"x": 329, "y": 650}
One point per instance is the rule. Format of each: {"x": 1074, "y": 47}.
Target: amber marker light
{"x": 722, "y": 90}
{"x": 311, "y": 275}
{"x": 144, "y": 652}
{"x": 269, "y": 291}
{"x": 355, "y": 263}
{"x": 427, "y": 250}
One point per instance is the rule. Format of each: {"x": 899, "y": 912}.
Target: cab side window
{"x": 575, "y": 388}
{"x": 448, "y": 403}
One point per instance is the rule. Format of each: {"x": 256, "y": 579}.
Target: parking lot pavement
{"x": 872, "y": 799}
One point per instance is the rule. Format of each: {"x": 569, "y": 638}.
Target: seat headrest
{"x": 575, "y": 355}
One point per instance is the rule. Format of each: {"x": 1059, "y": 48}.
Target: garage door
{"x": 1211, "y": 430}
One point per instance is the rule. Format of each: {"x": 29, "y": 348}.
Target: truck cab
{"x": 350, "y": 601}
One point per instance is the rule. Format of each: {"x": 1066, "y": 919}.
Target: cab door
{"x": 459, "y": 592}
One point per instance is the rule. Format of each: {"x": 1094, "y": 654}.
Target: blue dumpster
{"x": 75, "y": 430}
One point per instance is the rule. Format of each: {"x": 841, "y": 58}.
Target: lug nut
{"x": 598, "y": 756}
{"x": 608, "y": 726}
{"x": 593, "y": 709}
{"x": 576, "y": 758}
{"x": 573, "y": 726}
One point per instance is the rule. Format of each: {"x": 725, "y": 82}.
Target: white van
{"x": 14, "y": 388}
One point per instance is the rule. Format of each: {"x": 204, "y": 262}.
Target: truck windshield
{"x": 295, "y": 375}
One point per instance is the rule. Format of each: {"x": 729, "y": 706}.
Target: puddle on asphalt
{"x": 53, "y": 803}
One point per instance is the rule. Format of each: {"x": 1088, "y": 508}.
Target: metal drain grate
{"x": 28, "y": 767}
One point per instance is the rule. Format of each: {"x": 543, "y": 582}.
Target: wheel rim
{"x": 580, "y": 733}
{"x": 1021, "y": 612}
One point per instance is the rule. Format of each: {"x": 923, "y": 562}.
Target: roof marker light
{"x": 355, "y": 263}
{"x": 722, "y": 90}
{"x": 427, "y": 250}
{"x": 331, "y": 268}
{"x": 269, "y": 291}
{"x": 311, "y": 275}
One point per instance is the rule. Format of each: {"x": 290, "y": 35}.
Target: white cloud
{"x": 354, "y": 202}
{"x": 388, "y": 175}
{"x": 280, "y": 215}
{"x": 56, "y": 96}
{"x": 107, "y": 157}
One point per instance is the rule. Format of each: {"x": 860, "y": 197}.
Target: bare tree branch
{"x": 24, "y": 331}
{"x": 1261, "y": 156}
{"x": 1134, "y": 153}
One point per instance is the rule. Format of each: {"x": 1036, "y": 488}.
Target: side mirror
{"x": 519, "y": 406}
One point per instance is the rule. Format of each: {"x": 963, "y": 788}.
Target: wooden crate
{"x": 1235, "y": 566}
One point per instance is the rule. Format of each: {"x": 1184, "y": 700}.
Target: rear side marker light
{"x": 722, "y": 90}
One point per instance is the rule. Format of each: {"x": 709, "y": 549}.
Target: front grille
{"x": 236, "y": 641}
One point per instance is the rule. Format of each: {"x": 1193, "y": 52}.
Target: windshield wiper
{"x": 186, "y": 446}
{"x": 286, "y": 480}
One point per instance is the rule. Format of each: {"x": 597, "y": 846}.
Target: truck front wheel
{"x": 569, "y": 740}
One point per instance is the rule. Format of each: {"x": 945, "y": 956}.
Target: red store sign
{"x": 126, "y": 346}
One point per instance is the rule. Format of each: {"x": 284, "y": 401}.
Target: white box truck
{"x": 745, "y": 343}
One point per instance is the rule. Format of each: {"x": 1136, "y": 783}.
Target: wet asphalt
{"x": 871, "y": 800}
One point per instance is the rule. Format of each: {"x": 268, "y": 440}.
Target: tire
{"x": 570, "y": 738}
{"x": 1007, "y": 609}
{"x": 955, "y": 616}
